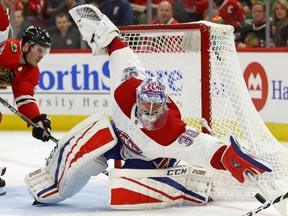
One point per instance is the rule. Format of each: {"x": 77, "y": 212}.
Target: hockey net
{"x": 199, "y": 63}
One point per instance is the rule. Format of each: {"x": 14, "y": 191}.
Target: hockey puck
{"x": 260, "y": 198}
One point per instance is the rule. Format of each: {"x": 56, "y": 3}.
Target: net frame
{"x": 204, "y": 29}
{"x": 211, "y": 42}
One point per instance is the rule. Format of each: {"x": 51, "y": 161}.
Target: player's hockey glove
{"x": 43, "y": 132}
{"x": 238, "y": 161}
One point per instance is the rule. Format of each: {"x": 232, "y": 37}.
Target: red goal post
{"x": 150, "y": 46}
{"x": 199, "y": 64}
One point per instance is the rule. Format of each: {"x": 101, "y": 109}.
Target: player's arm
{"x": 103, "y": 37}
{"x": 210, "y": 152}
{"x": 4, "y": 29}
{"x": 23, "y": 91}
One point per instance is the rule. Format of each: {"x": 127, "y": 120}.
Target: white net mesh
{"x": 180, "y": 55}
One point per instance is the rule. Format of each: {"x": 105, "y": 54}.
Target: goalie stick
{"x": 267, "y": 205}
{"x": 203, "y": 123}
{"x": 23, "y": 117}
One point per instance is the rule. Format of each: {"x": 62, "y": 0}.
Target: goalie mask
{"x": 151, "y": 103}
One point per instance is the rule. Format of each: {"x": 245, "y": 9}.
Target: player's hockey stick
{"x": 251, "y": 177}
{"x": 267, "y": 205}
{"x": 23, "y": 117}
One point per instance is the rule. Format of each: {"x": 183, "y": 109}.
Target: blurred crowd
{"x": 247, "y": 16}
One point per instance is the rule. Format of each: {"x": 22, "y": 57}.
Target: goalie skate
{"x": 94, "y": 26}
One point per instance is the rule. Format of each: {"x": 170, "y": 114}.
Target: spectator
{"x": 118, "y": 11}
{"x": 64, "y": 7}
{"x": 65, "y": 36}
{"x": 140, "y": 9}
{"x": 180, "y": 14}
{"x": 280, "y": 23}
{"x": 254, "y": 34}
{"x": 195, "y": 9}
{"x": 19, "y": 25}
{"x": 165, "y": 14}
{"x": 215, "y": 12}
{"x": 51, "y": 7}
{"x": 96, "y": 3}
{"x": 33, "y": 11}
{"x": 231, "y": 12}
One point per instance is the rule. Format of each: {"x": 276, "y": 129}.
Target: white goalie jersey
{"x": 175, "y": 139}
{"x": 67, "y": 171}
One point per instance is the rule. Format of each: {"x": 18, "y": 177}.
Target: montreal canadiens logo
{"x": 127, "y": 141}
{"x": 257, "y": 84}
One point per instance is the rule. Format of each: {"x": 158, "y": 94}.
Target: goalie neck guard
{"x": 151, "y": 103}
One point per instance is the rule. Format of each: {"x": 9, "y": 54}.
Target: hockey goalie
{"x": 147, "y": 133}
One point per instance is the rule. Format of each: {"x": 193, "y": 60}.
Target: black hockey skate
{"x": 2, "y": 187}
{"x": 2, "y": 181}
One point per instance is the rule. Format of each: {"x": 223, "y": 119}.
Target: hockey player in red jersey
{"x": 147, "y": 131}
{"x": 19, "y": 69}
{"x": 232, "y": 13}
{"x": 5, "y": 5}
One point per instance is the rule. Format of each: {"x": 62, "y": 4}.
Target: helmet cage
{"x": 151, "y": 92}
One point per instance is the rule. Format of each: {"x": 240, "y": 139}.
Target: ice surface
{"x": 21, "y": 154}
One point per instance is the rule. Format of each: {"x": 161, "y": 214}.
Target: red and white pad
{"x": 133, "y": 189}
{"x": 72, "y": 162}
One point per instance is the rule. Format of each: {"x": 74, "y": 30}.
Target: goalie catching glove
{"x": 43, "y": 131}
{"x": 95, "y": 27}
{"x": 238, "y": 161}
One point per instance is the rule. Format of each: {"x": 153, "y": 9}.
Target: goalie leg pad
{"x": 43, "y": 188}
{"x": 77, "y": 154}
{"x": 238, "y": 161}
{"x": 95, "y": 27}
{"x": 132, "y": 189}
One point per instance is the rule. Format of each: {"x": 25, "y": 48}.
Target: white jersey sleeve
{"x": 4, "y": 28}
{"x": 124, "y": 64}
